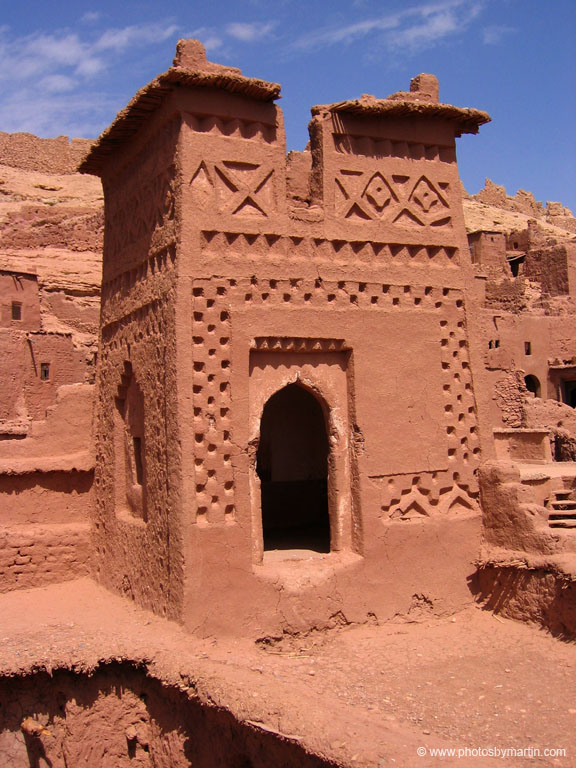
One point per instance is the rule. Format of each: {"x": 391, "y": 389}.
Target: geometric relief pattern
{"x": 305, "y": 249}
{"x": 211, "y": 402}
{"x": 415, "y": 504}
{"x": 233, "y": 127}
{"x": 394, "y": 198}
{"x": 235, "y": 188}
{"x": 445, "y": 492}
{"x": 453, "y": 491}
{"x": 372, "y": 146}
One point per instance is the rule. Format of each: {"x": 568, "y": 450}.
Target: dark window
{"x": 527, "y": 348}
{"x": 45, "y": 371}
{"x": 16, "y": 310}
{"x": 137, "y": 442}
{"x": 292, "y": 464}
{"x": 569, "y": 393}
{"x": 532, "y": 385}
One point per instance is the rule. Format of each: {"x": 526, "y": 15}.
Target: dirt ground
{"x": 361, "y": 696}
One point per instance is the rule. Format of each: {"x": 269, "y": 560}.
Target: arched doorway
{"x": 292, "y": 464}
{"x": 532, "y": 384}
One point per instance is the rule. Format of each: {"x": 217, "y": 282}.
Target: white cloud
{"x": 495, "y": 34}
{"x": 249, "y": 32}
{"x": 90, "y": 66}
{"x": 49, "y": 82}
{"x": 118, "y": 39}
{"x": 213, "y": 43}
{"x": 56, "y": 84}
{"x": 72, "y": 114}
{"x": 413, "y": 28}
{"x": 90, "y": 17}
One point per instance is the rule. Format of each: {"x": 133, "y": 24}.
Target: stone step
{"x": 568, "y": 504}
{"x": 562, "y": 524}
{"x": 565, "y": 515}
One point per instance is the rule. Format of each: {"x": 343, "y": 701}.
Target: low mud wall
{"x": 119, "y": 716}
{"x": 537, "y": 596}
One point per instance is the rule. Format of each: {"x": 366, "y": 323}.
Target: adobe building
{"x": 287, "y": 428}
{"x": 46, "y": 456}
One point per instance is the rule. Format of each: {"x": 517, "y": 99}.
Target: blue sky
{"x": 67, "y": 67}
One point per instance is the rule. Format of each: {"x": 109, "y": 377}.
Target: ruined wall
{"x": 119, "y": 715}
{"x": 140, "y": 554}
{"x": 30, "y": 153}
{"x": 487, "y": 251}
{"x": 551, "y": 267}
{"x": 522, "y": 201}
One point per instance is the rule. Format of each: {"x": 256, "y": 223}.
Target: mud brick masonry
{"x": 318, "y": 400}
{"x": 285, "y": 361}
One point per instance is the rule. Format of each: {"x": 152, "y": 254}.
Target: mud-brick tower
{"x": 287, "y": 424}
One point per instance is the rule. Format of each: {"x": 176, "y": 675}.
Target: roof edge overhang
{"x": 150, "y": 98}
{"x": 466, "y": 120}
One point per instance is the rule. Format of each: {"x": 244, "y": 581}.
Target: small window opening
{"x": 527, "y": 348}
{"x": 16, "y": 310}
{"x": 45, "y": 371}
{"x": 532, "y": 385}
{"x": 137, "y": 442}
{"x": 497, "y": 343}
{"x": 515, "y": 246}
{"x": 490, "y": 344}
{"x": 292, "y": 464}
{"x": 517, "y": 265}
{"x": 130, "y": 448}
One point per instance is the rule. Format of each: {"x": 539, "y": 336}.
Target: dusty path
{"x": 363, "y": 696}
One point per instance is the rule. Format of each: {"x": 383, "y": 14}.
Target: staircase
{"x": 562, "y": 510}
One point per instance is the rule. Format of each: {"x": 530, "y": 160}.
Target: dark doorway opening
{"x": 292, "y": 464}
{"x": 569, "y": 393}
{"x": 532, "y": 384}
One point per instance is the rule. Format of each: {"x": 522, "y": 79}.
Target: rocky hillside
{"x": 51, "y": 224}
{"x": 492, "y": 209}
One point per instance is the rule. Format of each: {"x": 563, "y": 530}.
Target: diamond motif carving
{"x": 396, "y": 199}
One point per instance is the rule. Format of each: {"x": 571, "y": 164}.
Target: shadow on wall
{"x": 536, "y": 596}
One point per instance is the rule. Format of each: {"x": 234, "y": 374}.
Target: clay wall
{"x": 520, "y": 345}
{"x": 37, "y": 364}
{"x": 140, "y": 554}
{"x": 231, "y": 274}
{"x": 369, "y": 269}
{"x": 20, "y": 303}
{"x": 549, "y": 267}
{"x": 488, "y": 251}
{"x": 46, "y": 476}
{"x": 46, "y": 464}
{"x": 26, "y": 151}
